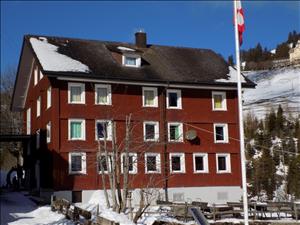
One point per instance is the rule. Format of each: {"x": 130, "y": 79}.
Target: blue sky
{"x": 199, "y": 24}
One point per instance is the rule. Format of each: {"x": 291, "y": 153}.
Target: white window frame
{"x": 156, "y": 130}
{"x": 35, "y": 76}
{"x": 28, "y": 121}
{"x": 182, "y": 162}
{"x": 180, "y": 130}
{"x": 38, "y": 106}
{"x": 48, "y": 131}
{"x": 205, "y": 162}
{"x": 82, "y": 97}
{"x": 109, "y": 130}
{"x": 179, "y": 99}
{"x": 137, "y": 57}
{"x": 225, "y": 129}
{"x": 228, "y": 162}
{"x": 155, "y": 96}
{"x": 224, "y": 100}
{"x": 134, "y": 160}
{"x": 108, "y": 88}
{"x": 83, "y": 162}
{"x": 82, "y": 138}
{"x": 158, "y": 162}
{"x": 49, "y": 92}
{"x": 38, "y": 139}
{"x": 108, "y": 166}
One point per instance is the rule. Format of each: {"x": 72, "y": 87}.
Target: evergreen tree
{"x": 293, "y": 178}
{"x": 271, "y": 123}
{"x": 279, "y": 121}
{"x": 297, "y": 129}
{"x": 230, "y": 60}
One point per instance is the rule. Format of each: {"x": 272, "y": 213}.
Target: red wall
{"x": 196, "y": 110}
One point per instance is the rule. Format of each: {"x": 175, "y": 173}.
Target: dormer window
{"x": 131, "y": 60}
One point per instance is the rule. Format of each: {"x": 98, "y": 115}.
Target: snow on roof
{"x": 273, "y": 51}
{"x": 52, "y": 60}
{"x": 232, "y": 77}
{"x": 125, "y": 49}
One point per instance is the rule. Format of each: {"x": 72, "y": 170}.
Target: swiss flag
{"x": 240, "y": 20}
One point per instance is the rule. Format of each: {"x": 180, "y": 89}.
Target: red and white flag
{"x": 240, "y": 20}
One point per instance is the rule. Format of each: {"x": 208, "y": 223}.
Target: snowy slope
{"x": 274, "y": 87}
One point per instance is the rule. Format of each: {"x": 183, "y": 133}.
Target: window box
{"x": 150, "y": 98}
{"x": 223, "y": 163}
{"x": 219, "y": 101}
{"x": 103, "y": 130}
{"x": 152, "y": 163}
{"x": 103, "y": 94}
{"x": 200, "y": 162}
{"x": 220, "y": 133}
{"x": 175, "y": 132}
{"x": 177, "y": 163}
{"x": 174, "y": 99}
{"x": 76, "y": 129}
{"x": 77, "y": 163}
{"x": 151, "y": 131}
{"x": 76, "y": 93}
{"x": 132, "y": 159}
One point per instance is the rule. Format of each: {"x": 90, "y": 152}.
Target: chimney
{"x": 141, "y": 39}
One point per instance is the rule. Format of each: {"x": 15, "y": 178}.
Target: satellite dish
{"x": 190, "y": 135}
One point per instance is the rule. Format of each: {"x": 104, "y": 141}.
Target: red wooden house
{"x": 183, "y": 106}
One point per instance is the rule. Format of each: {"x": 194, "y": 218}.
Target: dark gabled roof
{"x": 159, "y": 63}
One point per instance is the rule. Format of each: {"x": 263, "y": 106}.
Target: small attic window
{"x": 131, "y": 60}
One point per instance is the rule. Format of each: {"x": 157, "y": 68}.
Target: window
{"x": 102, "y": 94}
{"x": 221, "y": 133}
{"x": 49, "y": 97}
{"x": 41, "y": 75}
{"x": 107, "y": 165}
{"x": 77, "y": 163}
{"x": 48, "y": 132}
{"x": 151, "y": 131}
{"x": 38, "y": 106}
{"x": 76, "y": 93}
{"x": 219, "y": 101}
{"x": 152, "y": 162}
{"x": 200, "y": 162}
{"x": 35, "y": 75}
{"x": 177, "y": 161}
{"x": 76, "y": 129}
{"x": 28, "y": 121}
{"x": 223, "y": 163}
{"x": 131, "y": 60}
{"x": 150, "y": 98}
{"x": 132, "y": 163}
{"x": 174, "y": 99}
{"x": 38, "y": 138}
{"x": 175, "y": 132}
{"x": 103, "y": 130}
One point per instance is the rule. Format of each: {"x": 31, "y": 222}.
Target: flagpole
{"x": 241, "y": 124}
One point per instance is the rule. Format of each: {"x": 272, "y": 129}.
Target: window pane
{"x": 221, "y": 162}
{"x": 199, "y": 163}
{"x": 151, "y": 163}
{"x": 149, "y": 97}
{"x": 76, "y": 163}
{"x": 102, "y": 95}
{"x": 150, "y": 131}
{"x": 103, "y": 162}
{"x": 219, "y": 133}
{"x": 173, "y": 99}
{"x": 75, "y": 94}
{"x": 130, "y": 163}
{"x": 176, "y": 163}
{"x": 102, "y": 130}
{"x": 218, "y": 101}
{"x": 130, "y": 61}
{"x": 174, "y": 132}
{"x": 75, "y": 129}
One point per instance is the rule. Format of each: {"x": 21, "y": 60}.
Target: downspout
{"x": 165, "y": 140}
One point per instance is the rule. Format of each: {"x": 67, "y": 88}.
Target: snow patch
{"x": 125, "y": 49}
{"x": 52, "y": 60}
{"x": 232, "y": 77}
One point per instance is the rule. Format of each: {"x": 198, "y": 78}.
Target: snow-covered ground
{"x": 274, "y": 87}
